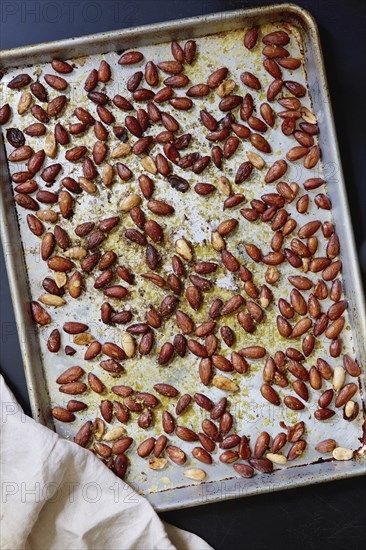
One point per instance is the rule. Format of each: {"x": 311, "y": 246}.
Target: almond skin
{"x": 62, "y": 415}
{"x": 270, "y": 394}
{"x": 351, "y": 366}
{"x": 72, "y": 374}
{"x": 345, "y": 394}
{"x": 146, "y": 447}
{"x": 244, "y": 470}
{"x": 261, "y": 464}
{"x": 84, "y": 434}
{"x": 166, "y": 389}
{"x": 40, "y": 315}
{"x": 215, "y": 78}
{"x": 183, "y": 403}
{"x": 72, "y": 327}
{"x": 201, "y": 455}
{"x": 176, "y": 455}
{"x": 323, "y": 414}
{"x": 73, "y": 388}
{"x": 326, "y": 446}
{"x": 251, "y": 37}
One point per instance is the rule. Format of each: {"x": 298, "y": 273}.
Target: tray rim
{"x": 14, "y": 56}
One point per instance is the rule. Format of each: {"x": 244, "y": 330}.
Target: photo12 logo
{"x": 69, "y": 491}
{"x": 69, "y": 12}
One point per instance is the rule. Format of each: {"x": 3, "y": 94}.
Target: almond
{"x": 351, "y": 366}
{"x": 176, "y": 455}
{"x": 62, "y": 415}
{"x": 251, "y": 37}
{"x": 52, "y": 300}
{"x": 224, "y": 383}
{"x": 342, "y": 453}
{"x": 196, "y": 474}
{"x": 270, "y": 394}
{"x": 146, "y": 447}
{"x": 84, "y": 434}
{"x": 345, "y": 394}
{"x": 184, "y": 249}
{"x": 35, "y": 225}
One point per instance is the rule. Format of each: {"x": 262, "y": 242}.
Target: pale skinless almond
{"x": 224, "y": 383}
{"x": 50, "y": 146}
{"x": 196, "y": 474}
{"x": 225, "y": 88}
{"x": 128, "y": 344}
{"x": 60, "y": 278}
{"x": 257, "y": 161}
{"x": 183, "y": 248}
{"x": 339, "y": 376}
{"x": 272, "y": 275}
{"x": 217, "y": 241}
{"x": 305, "y": 265}
{"x": 349, "y": 408}
{"x": 307, "y": 115}
{"x": 122, "y": 150}
{"x": 157, "y": 463}
{"x": 75, "y": 253}
{"x": 130, "y": 202}
{"x": 52, "y": 300}
{"x": 276, "y": 458}
{"x": 107, "y": 175}
{"x": 341, "y": 453}
{"x": 87, "y": 185}
{"x": 24, "y": 103}
{"x": 224, "y": 186}
{"x": 148, "y": 163}
{"x": 99, "y": 428}
{"x": 114, "y": 433}
{"x": 83, "y": 339}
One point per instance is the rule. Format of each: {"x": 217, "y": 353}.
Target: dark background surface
{"x": 325, "y": 516}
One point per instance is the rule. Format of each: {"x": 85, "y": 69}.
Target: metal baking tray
{"x": 169, "y": 490}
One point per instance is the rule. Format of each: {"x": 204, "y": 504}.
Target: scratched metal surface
{"x": 196, "y": 224}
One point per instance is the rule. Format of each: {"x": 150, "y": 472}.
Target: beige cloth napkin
{"x": 56, "y": 495}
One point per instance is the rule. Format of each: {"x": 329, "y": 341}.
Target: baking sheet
{"x": 196, "y": 224}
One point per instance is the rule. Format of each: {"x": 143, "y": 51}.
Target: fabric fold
{"x": 56, "y": 495}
